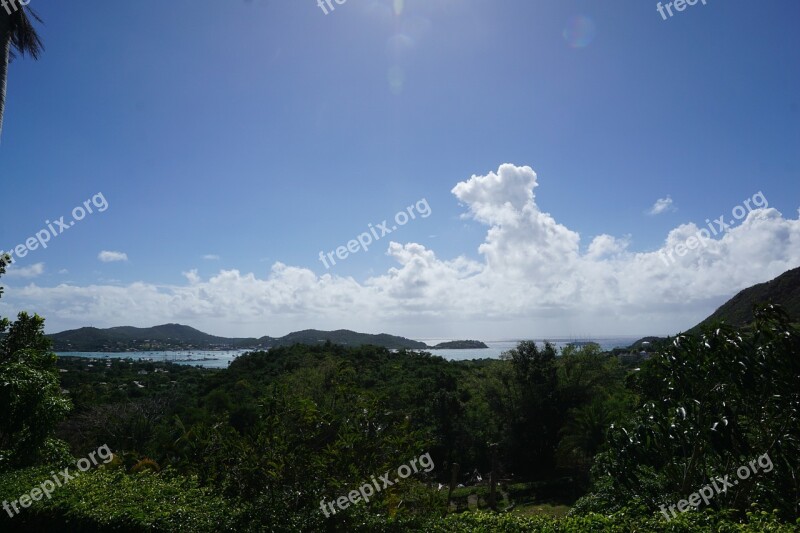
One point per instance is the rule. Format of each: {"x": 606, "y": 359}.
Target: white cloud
{"x": 36, "y": 269}
{"x": 607, "y": 246}
{"x": 108, "y": 257}
{"x": 192, "y": 276}
{"x": 531, "y": 279}
{"x": 662, "y": 205}
{"x": 211, "y": 257}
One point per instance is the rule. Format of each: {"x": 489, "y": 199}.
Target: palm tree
{"x": 17, "y": 35}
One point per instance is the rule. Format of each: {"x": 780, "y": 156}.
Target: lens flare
{"x": 399, "y": 44}
{"x": 579, "y": 31}
{"x": 397, "y": 78}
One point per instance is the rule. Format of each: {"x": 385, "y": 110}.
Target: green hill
{"x": 738, "y": 311}
{"x": 124, "y": 338}
{"x": 346, "y": 338}
{"x": 178, "y": 337}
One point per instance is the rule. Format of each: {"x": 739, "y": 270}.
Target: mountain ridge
{"x": 738, "y": 311}
{"x": 783, "y": 290}
{"x": 180, "y": 337}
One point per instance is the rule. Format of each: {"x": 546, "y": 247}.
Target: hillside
{"x": 127, "y": 338}
{"x": 346, "y": 338}
{"x": 738, "y": 311}
{"x": 178, "y": 337}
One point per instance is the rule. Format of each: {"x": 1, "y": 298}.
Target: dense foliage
{"x": 711, "y": 404}
{"x": 30, "y": 395}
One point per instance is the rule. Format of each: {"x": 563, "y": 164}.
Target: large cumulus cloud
{"x": 535, "y": 277}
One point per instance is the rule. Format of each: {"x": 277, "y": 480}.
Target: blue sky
{"x": 264, "y": 132}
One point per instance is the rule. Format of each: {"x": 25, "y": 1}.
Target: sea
{"x": 223, "y": 358}
{"x": 496, "y": 348}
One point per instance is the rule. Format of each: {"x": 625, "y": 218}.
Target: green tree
{"x": 592, "y": 388}
{"x": 583, "y": 435}
{"x": 710, "y": 404}
{"x": 30, "y": 394}
{"x": 17, "y": 34}
{"x": 528, "y": 403}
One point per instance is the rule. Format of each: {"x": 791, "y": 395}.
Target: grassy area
{"x": 542, "y": 509}
{"x": 521, "y": 499}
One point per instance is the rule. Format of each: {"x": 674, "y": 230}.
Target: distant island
{"x": 177, "y": 337}
{"x": 460, "y": 345}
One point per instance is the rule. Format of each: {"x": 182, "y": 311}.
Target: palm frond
{"x": 24, "y": 39}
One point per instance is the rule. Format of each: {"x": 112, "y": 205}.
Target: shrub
{"x": 106, "y": 500}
